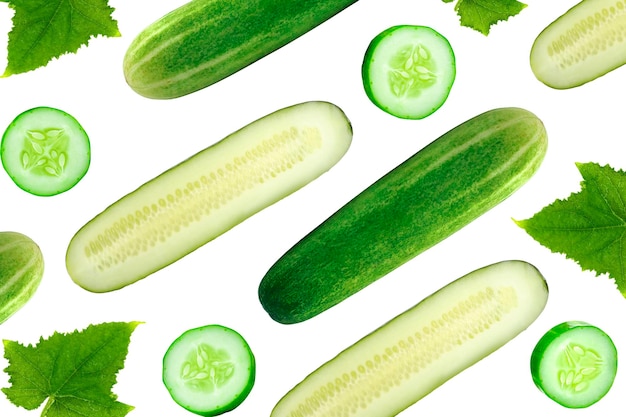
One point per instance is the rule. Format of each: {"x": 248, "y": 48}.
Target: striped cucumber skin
{"x": 205, "y": 41}
{"x": 433, "y": 194}
{"x": 407, "y": 358}
{"x": 207, "y": 194}
{"x": 21, "y": 271}
{"x": 581, "y": 45}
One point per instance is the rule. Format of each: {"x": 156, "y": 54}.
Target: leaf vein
{"x": 81, "y": 364}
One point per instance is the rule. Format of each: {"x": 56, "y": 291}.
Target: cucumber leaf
{"x": 589, "y": 226}
{"x": 46, "y": 29}
{"x": 74, "y": 372}
{"x": 480, "y": 15}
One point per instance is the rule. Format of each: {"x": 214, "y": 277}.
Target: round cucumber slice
{"x": 574, "y": 364}
{"x": 408, "y": 71}
{"x": 45, "y": 151}
{"x": 209, "y": 370}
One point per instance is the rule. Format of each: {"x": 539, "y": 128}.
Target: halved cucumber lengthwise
{"x": 583, "y": 44}
{"x": 427, "y": 198}
{"x": 207, "y": 194}
{"x": 407, "y": 358}
{"x": 205, "y": 41}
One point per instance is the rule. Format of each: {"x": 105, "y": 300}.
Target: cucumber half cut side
{"x": 207, "y": 194}
{"x": 583, "y": 44}
{"x": 405, "y": 359}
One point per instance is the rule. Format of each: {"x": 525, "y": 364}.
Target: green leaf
{"x": 588, "y": 227}
{"x": 46, "y": 29}
{"x": 480, "y": 15}
{"x": 74, "y": 371}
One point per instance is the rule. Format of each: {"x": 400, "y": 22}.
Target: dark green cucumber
{"x": 433, "y": 194}
{"x": 205, "y": 41}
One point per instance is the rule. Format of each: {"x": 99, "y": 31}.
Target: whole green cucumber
{"x": 21, "y": 271}
{"x": 205, "y": 41}
{"x": 433, "y": 194}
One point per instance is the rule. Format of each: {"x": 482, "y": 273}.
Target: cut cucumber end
{"x": 408, "y": 71}
{"x": 209, "y": 370}
{"x": 45, "y": 151}
{"x": 583, "y": 44}
{"x": 574, "y": 364}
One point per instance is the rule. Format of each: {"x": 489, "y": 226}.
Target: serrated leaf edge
{"x": 132, "y": 325}
{"x": 583, "y": 183}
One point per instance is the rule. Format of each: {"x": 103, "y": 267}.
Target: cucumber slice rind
{"x": 209, "y": 370}
{"x": 574, "y": 364}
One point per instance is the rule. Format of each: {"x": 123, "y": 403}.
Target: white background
{"x": 134, "y": 139}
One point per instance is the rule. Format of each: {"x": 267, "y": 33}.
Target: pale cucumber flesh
{"x": 209, "y": 370}
{"x": 207, "y": 194}
{"x": 574, "y": 364}
{"x": 583, "y": 44}
{"x": 402, "y": 361}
